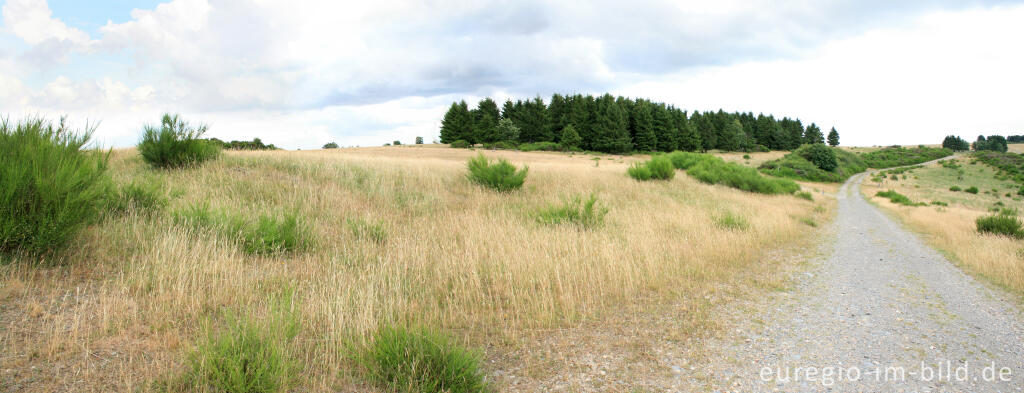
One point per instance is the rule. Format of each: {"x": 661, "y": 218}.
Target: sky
{"x": 300, "y": 74}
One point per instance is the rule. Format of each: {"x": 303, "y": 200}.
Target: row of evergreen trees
{"x": 993, "y": 143}
{"x": 619, "y": 125}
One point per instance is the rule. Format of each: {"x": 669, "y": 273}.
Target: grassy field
{"x": 397, "y": 236}
{"x": 1015, "y": 147}
{"x": 952, "y": 228}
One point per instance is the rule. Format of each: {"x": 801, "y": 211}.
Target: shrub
{"x": 143, "y": 197}
{"x": 972, "y": 190}
{"x": 542, "y": 146}
{"x": 583, "y": 214}
{"x": 822, "y": 156}
{"x": 500, "y": 145}
{"x": 416, "y": 360}
{"x": 746, "y": 156}
{"x": 804, "y": 195}
{"x": 372, "y": 231}
{"x": 1000, "y": 224}
{"x": 331, "y": 145}
{"x": 396, "y": 143}
{"x": 248, "y": 356}
{"x": 659, "y": 167}
{"x": 897, "y": 198}
{"x": 731, "y": 221}
{"x": 50, "y": 187}
{"x": 899, "y": 156}
{"x": 795, "y": 166}
{"x": 940, "y": 203}
{"x": 501, "y": 176}
{"x": 176, "y": 144}
{"x": 639, "y": 171}
{"x": 460, "y": 144}
{"x": 570, "y": 138}
{"x": 955, "y": 188}
{"x": 419, "y": 140}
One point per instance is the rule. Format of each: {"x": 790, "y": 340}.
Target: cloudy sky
{"x": 303, "y": 73}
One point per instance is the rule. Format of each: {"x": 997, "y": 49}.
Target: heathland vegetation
{"x": 181, "y": 266}
{"x": 619, "y": 125}
{"x": 894, "y": 156}
{"x": 818, "y": 163}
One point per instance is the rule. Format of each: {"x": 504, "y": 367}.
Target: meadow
{"x": 947, "y": 200}
{"x": 323, "y": 250}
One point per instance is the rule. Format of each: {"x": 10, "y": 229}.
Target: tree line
{"x": 992, "y": 143}
{"x": 620, "y": 125}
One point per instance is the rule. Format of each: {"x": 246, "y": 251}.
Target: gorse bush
{"x": 50, "y": 185}
{"x": 821, "y": 156}
{"x": 176, "y": 144}
{"x": 1000, "y": 224}
{"x": 585, "y": 214}
{"x": 248, "y": 356}
{"x": 500, "y": 176}
{"x": 416, "y": 360}
{"x": 267, "y": 235}
{"x": 658, "y": 167}
{"x": 714, "y": 170}
{"x": 972, "y": 190}
{"x": 795, "y": 166}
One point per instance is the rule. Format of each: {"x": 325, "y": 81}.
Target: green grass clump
{"x": 541, "y": 146}
{"x": 585, "y": 214}
{"x": 795, "y": 165}
{"x": 176, "y": 144}
{"x": 658, "y": 167}
{"x": 804, "y": 195}
{"x": 51, "y": 186}
{"x": 460, "y": 144}
{"x": 940, "y": 203}
{"x": 731, "y": 221}
{"x": 898, "y": 198}
{"x": 248, "y": 356}
{"x": 267, "y": 235}
{"x": 417, "y": 360}
{"x": 501, "y": 176}
{"x": 1003, "y": 224}
{"x": 367, "y": 230}
{"x": 899, "y": 156}
{"x": 141, "y": 197}
{"x": 955, "y": 188}
{"x": 714, "y": 170}
{"x": 809, "y": 222}
{"x": 971, "y": 190}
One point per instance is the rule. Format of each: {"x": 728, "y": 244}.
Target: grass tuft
{"x": 898, "y": 198}
{"x": 658, "y": 167}
{"x": 176, "y": 144}
{"x": 366, "y": 230}
{"x": 731, "y": 221}
{"x": 583, "y": 214}
{"x": 501, "y": 176}
{"x": 1000, "y": 224}
{"x": 417, "y": 360}
{"x": 268, "y": 235}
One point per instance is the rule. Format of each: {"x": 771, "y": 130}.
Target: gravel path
{"x": 883, "y": 312}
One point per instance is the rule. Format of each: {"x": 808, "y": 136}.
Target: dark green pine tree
{"x": 643, "y": 127}
{"x": 833, "y": 137}
{"x": 559, "y": 113}
{"x": 732, "y": 136}
{"x": 706, "y": 130}
{"x": 486, "y": 119}
{"x": 813, "y": 135}
{"x": 664, "y": 129}
{"x": 533, "y": 123}
{"x": 508, "y": 110}
{"x": 569, "y": 139}
{"x": 457, "y": 123}
{"x": 611, "y": 134}
{"x": 583, "y": 113}
{"x": 689, "y": 138}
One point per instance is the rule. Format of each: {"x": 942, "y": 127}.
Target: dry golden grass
{"x": 1015, "y": 147}
{"x": 952, "y": 229}
{"x": 130, "y": 301}
{"x": 755, "y": 160}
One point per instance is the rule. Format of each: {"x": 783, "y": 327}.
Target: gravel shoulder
{"x": 880, "y": 311}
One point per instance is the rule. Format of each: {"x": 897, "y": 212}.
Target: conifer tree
{"x": 457, "y": 123}
{"x": 486, "y": 119}
{"x": 813, "y": 135}
{"x": 833, "y": 137}
{"x": 570, "y": 138}
{"x": 610, "y": 127}
{"x": 643, "y": 128}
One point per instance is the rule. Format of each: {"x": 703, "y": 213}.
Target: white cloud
{"x": 51, "y": 39}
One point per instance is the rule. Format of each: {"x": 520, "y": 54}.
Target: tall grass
{"x": 714, "y": 170}
{"x": 51, "y": 186}
{"x": 501, "y": 176}
{"x": 176, "y": 144}
{"x": 267, "y": 235}
{"x": 658, "y": 167}
{"x": 586, "y": 214}
{"x": 1000, "y": 224}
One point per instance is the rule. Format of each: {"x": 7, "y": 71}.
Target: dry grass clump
{"x": 402, "y": 238}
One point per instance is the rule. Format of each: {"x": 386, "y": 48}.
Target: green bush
{"x": 1000, "y": 224}
{"x": 267, "y": 235}
{"x": 658, "y": 167}
{"x": 940, "y": 203}
{"x": 50, "y": 185}
{"x": 366, "y": 230}
{"x": 501, "y": 176}
{"x": 416, "y": 360}
{"x": 500, "y": 145}
{"x": 972, "y": 190}
{"x": 583, "y": 214}
{"x": 898, "y": 198}
{"x": 795, "y": 166}
{"x": 822, "y": 156}
{"x": 639, "y": 171}
{"x": 714, "y": 170}
{"x": 248, "y": 356}
{"x": 541, "y": 146}
{"x": 899, "y": 156}
{"x": 955, "y": 188}
{"x": 143, "y": 197}
{"x": 460, "y": 144}
{"x": 176, "y": 144}
{"x": 330, "y": 145}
